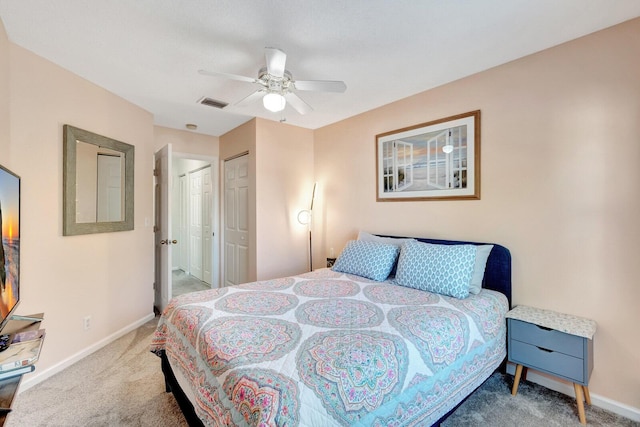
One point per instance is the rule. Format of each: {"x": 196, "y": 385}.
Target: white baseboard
{"x": 564, "y": 388}
{"x": 38, "y": 377}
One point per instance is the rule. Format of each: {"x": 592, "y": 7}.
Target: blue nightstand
{"x": 556, "y": 343}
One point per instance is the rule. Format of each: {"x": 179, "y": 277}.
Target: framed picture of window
{"x": 438, "y": 160}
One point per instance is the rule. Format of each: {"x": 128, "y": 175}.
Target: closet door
{"x": 195, "y": 224}
{"x": 183, "y": 230}
{"x": 207, "y": 226}
{"x": 236, "y": 220}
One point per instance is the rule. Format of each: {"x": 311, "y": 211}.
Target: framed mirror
{"x": 98, "y": 183}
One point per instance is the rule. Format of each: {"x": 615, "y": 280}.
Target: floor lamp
{"x": 304, "y": 218}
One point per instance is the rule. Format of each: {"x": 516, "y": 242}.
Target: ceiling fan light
{"x": 274, "y": 102}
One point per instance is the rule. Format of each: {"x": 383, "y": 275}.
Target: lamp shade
{"x": 304, "y": 217}
{"x": 274, "y": 102}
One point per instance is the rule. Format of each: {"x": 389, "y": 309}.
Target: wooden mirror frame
{"x": 70, "y": 226}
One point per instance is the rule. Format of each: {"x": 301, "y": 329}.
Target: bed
{"x": 331, "y": 347}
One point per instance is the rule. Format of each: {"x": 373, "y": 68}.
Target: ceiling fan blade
{"x": 228, "y": 76}
{"x": 250, "y": 98}
{"x": 296, "y": 102}
{"x": 276, "y": 60}
{"x": 320, "y": 85}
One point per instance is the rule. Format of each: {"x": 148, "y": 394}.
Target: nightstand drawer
{"x": 548, "y": 339}
{"x": 553, "y": 362}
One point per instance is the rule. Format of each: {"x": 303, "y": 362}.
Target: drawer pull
{"x": 545, "y": 349}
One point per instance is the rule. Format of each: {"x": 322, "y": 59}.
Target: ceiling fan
{"x": 277, "y": 84}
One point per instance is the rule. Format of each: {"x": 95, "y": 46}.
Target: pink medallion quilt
{"x": 326, "y": 348}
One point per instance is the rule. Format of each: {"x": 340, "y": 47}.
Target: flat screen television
{"x": 10, "y": 248}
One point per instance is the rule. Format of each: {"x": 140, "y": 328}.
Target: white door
{"x": 162, "y": 227}
{"x": 236, "y": 220}
{"x": 183, "y": 232}
{"x": 207, "y": 226}
{"x": 195, "y": 224}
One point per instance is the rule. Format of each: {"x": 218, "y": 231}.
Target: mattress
{"x": 326, "y": 348}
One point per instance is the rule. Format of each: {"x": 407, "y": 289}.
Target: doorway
{"x": 174, "y": 215}
{"x": 194, "y": 208}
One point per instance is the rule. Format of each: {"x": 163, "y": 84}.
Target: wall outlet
{"x": 87, "y": 322}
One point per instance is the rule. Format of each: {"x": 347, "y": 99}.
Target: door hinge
{"x": 156, "y": 172}
{"x": 155, "y": 228}
{"x": 154, "y": 286}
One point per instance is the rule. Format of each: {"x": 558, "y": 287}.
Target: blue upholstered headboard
{"x": 497, "y": 274}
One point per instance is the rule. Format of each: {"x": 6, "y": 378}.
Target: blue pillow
{"x": 442, "y": 269}
{"x": 372, "y": 260}
{"x": 397, "y": 241}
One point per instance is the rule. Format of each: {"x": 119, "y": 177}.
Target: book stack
{"x": 20, "y": 356}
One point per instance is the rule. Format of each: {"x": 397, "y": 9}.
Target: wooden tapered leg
{"x": 587, "y": 396}
{"x": 516, "y": 380}
{"x": 580, "y": 401}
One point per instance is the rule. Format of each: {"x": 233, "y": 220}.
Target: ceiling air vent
{"x": 212, "y": 102}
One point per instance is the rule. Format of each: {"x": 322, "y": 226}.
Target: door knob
{"x": 168, "y": 242}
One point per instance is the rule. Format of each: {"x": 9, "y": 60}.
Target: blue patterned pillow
{"x": 397, "y": 241}
{"x": 443, "y": 269}
{"x": 372, "y": 260}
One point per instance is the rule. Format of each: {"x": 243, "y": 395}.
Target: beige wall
{"x": 183, "y": 141}
{"x": 106, "y": 276}
{"x": 5, "y": 154}
{"x": 284, "y": 183}
{"x": 560, "y": 185}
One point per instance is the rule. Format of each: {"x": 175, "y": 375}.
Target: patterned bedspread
{"x": 325, "y": 348}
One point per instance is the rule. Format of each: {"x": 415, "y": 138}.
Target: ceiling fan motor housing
{"x": 275, "y": 84}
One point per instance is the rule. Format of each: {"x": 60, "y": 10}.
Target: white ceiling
{"x": 149, "y": 51}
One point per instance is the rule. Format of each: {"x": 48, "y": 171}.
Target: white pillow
{"x": 363, "y": 235}
{"x": 482, "y": 254}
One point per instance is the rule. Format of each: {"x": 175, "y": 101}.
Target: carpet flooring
{"x": 118, "y": 385}
{"x": 122, "y": 385}
{"x": 534, "y": 406}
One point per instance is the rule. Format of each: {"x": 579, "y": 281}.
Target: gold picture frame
{"x": 437, "y": 160}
